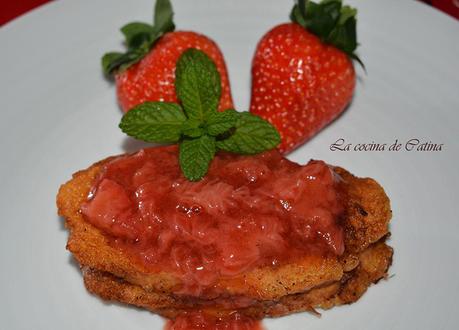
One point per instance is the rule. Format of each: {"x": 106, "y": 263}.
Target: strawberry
{"x": 302, "y": 72}
{"x": 146, "y": 72}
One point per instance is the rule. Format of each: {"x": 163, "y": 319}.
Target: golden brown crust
{"x": 373, "y": 265}
{"x": 367, "y": 211}
{"x": 89, "y": 245}
{"x": 365, "y": 222}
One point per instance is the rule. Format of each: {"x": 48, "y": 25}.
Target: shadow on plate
{"x": 74, "y": 263}
{"x": 130, "y": 145}
{"x": 61, "y": 221}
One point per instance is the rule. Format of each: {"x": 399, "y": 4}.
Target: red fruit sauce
{"x": 248, "y": 211}
{"x": 201, "y": 321}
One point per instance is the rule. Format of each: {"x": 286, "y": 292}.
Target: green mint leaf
{"x": 220, "y": 122}
{"x": 135, "y": 31}
{"x": 154, "y": 122}
{"x": 195, "y": 156}
{"x": 163, "y": 16}
{"x": 197, "y": 83}
{"x": 252, "y": 135}
{"x": 192, "y": 128}
{"x": 193, "y": 132}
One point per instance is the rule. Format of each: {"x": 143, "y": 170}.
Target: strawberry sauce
{"x": 201, "y": 321}
{"x": 247, "y": 212}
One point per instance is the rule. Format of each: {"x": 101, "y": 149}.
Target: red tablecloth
{"x": 448, "y": 6}
{"x": 10, "y": 9}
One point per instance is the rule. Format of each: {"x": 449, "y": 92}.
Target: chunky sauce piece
{"x": 202, "y": 321}
{"x": 248, "y": 211}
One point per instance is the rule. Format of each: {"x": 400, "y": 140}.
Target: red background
{"x": 448, "y": 6}
{"x": 13, "y": 8}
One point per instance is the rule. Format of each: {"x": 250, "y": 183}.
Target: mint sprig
{"x": 332, "y": 22}
{"x": 220, "y": 122}
{"x": 140, "y": 38}
{"x": 252, "y": 135}
{"x": 197, "y": 84}
{"x": 195, "y": 156}
{"x": 195, "y": 124}
{"x": 154, "y": 122}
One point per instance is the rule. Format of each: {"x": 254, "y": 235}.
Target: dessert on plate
{"x": 258, "y": 234}
{"x": 215, "y": 228}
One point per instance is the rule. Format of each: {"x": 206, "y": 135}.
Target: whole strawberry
{"x": 146, "y": 72}
{"x": 302, "y": 73}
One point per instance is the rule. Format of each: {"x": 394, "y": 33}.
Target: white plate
{"x": 59, "y": 115}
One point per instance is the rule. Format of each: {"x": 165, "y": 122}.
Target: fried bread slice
{"x": 367, "y": 214}
{"x": 373, "y": 264}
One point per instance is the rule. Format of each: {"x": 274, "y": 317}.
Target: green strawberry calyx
{"x": 194, "y": 123}
{"x": 140, "y": 38}
{"x": 332, "y": 22}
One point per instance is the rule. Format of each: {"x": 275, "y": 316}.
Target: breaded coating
{"x": 373, "y": 265}
{"x": 313, "y": 282}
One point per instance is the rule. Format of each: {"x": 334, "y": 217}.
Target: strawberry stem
{"x": 140, "y": 38}
{"x": 332, "y": 22}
